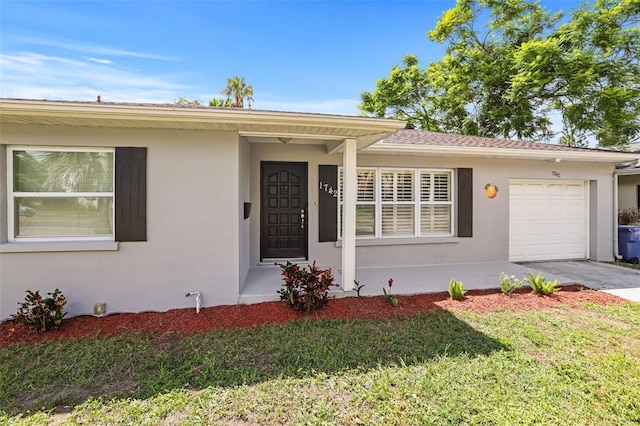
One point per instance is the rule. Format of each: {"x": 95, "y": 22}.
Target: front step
{"x": 264, "y": 281}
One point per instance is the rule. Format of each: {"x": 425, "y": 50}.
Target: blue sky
{"x": 309, "y": 56}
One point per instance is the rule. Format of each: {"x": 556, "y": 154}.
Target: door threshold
{"x": 271, "y": 262}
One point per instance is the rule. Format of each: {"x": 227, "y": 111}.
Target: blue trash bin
{"x": 629, "y": 243}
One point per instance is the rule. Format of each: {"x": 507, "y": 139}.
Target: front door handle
{"x": 302, "y": 218}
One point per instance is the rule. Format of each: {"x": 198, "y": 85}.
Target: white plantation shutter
{"x": 435, "y": 202}
{"x": 442, "y": 187}
{"x": 435, "y": 219}
{"x": 365, "y": 202}
{"x": 366, "y": 185}
{"x": 397, "y": 220}
{"x": 425, "y": 186}
{"x": 397, "y": 185}
{"x": 398, "y": 202}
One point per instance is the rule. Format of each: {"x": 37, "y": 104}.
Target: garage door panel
{"x": 547, "y": 220}
{"x": 575, "y": 190}
{"x": 554, "y": 190}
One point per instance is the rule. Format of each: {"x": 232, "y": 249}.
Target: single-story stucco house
{"x": 136, "y": 205}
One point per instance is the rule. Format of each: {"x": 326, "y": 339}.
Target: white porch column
{"x": 349, "y": 197}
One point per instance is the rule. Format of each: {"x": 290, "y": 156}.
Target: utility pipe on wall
{"x": 198, "y": 304}
{"x": 616, "y": 252}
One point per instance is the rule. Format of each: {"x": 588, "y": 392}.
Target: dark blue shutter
{"x": 328, "y": 203}
{"x": 131, "y": 194}
{"x": 465, "y": 202}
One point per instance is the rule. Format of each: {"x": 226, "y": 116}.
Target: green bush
{"x": 456, "y": 289}
{"x": 509, "y": 284}
{"x": 305, "y": 290}
{"x": 540, "y": 285}
{"x": 42, "y": 313}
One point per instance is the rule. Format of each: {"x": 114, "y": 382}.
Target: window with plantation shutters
{"x": 365, "y": 203}
{"x": 395, "y": 202}
{"x": 435, "y": 202}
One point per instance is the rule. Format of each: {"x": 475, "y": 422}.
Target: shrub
{"x": 540, "y": 285}
{"x": 456, "y": 289}
{"x": 305, "y": 290}
{"x": 41, "y": 313}
{"x": 509, "y": 284}
{"x": 630, "y": 216}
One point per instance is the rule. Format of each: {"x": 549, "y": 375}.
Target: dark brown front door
{"x": 283, "y": 210}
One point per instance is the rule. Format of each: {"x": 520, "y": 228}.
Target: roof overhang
{"x": 256, "y": 125}
{"x": 596, "y": 156}
{"x": 629, "y": 168}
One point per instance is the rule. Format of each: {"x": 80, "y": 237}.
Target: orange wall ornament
{"x": 491, "y": 190}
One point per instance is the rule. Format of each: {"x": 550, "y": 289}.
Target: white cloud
{"x": 100, "y": 61}
{"x": 35, "y": 76}
{"x": 92, "y": 49}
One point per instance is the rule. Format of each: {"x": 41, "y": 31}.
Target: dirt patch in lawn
{"x": 247, "y": 316}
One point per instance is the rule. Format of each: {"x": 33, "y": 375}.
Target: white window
{"x": 394, "y": 202}
{"x": 435, "y": 202}
{"x": 365, "y": 202}
{"x": 59, "y": 194}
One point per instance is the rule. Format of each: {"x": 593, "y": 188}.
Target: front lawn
{"x": 555, "y": 366}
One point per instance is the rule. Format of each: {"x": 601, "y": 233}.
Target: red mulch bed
{"x": 247, "y": 316}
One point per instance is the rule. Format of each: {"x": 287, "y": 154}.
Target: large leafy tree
{"x": 588, "y": 70}
{"x": 510, "y": 65}
{"x": 237, "y": 91}
{"x": 476, "y": 71}
{"x": 407, "y": 94}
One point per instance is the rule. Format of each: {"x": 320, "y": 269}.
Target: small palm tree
{"x": 237, "y": 90}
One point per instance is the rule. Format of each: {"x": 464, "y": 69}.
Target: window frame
{"x": 12, "y": 195}
{"x": 417, "y": 201}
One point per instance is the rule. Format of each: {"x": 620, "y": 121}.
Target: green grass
{"x": 562, "y": 366}
{"x": 627, "y": 265}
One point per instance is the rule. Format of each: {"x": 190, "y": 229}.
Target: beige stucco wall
{"x": 628, "y": 191}
{"x": 490, "y": 241}
{"x": 192, "y": 227}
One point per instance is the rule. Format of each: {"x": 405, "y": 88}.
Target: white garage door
{"x": 548, "y": 219}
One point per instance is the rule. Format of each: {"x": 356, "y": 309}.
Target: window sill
{"x": 58, "y": 246}
{"x": 401, "y": 241}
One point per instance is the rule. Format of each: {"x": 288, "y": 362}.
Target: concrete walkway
{"x": 264, "y": 281}
{"x": 617, "y": 280}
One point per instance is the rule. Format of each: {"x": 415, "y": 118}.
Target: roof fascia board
{"x": 181, "y": 114}
{"x": 523, "y": 154}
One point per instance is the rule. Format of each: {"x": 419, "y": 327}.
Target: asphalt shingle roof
{"x": 427, "y": 138}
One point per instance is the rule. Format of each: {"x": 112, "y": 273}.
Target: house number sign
{"x": 328, "y": 189}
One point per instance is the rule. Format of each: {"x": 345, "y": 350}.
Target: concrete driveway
{"x": 617, "y": 280}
